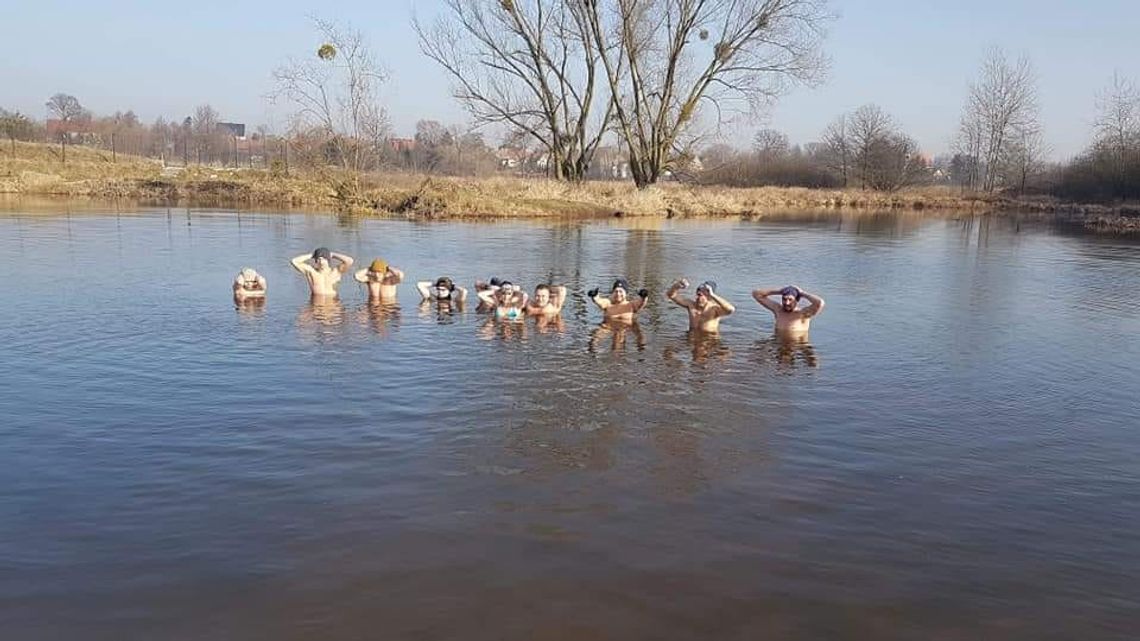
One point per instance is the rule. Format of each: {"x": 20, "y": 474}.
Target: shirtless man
{"x": 508, "y": 301}
{"x": 618, "y": 307}
{"x": 443, "y": 291}
{"x": 381, "y": 279}
{"x": 249, "y": 284}
{"x": 705, "y": 310}
{"x": 547, "y": 301}
{"x": 322, "y": 276}
{"x": 791, "y": 320}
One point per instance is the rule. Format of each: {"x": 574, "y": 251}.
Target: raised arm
{"x": 816, "y": 303}
{"x": 601, "y": 301}
{"x": 394, "y": 277}
{"x": 761, "y": 296}
{"x": 300, "y": 263}
{"x": 642, "y": 299}
{"x": 360, "y": 276}
{"x": 345, "y": 261}
{"x": 559, "y": 297}
{"x": 486, "y": 296}
{"x": 462, "y": 294}
{"x": 726, "y": 307}
{"x": 673, "y": 293}
{"x": 424, "y": 287}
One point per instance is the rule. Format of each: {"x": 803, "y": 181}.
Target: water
{"x": 953, "y": 457}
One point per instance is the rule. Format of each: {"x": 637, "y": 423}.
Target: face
{"x": 321, "y": 263}
{"x": 442, "y": 292}
{"x": 618, "y": 295}
{"x": 702, "y": 298}
{"x": 542, "y": 297}
{"x": 789, "y": 303}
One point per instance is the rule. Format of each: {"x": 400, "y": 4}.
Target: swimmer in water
{"x": 508, "y": 301}
{"x": 443, "y": 291}
{"x": 547, "y": 301}
{"x": 482, "y": 286}
{"x": 249, "y": 284}
{"x": 705, "y": 310}
{"x": 322, "y": 276}
{"x": 791, "y": 320}
{"x": 381, "y": 279}
{"x": 618, "y": 306}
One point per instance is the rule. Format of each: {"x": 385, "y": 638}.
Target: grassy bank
{"x": 37, "y": 169}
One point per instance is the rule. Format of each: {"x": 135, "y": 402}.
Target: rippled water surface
{"x": 956, "y": 455}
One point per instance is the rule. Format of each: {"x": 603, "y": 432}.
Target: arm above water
{"x": 424, "y": 288}
{"x": 559, "y": 298}
{"x": 393, "y": 277}
{"x": 300, "y": 263}
{"x": 673, "y": 293}
{"x": 761, "y": 296}
{"x": 486, "y": 296}
{"x": 726, "y": 307}
{"x": 360, "y": 276}
{"x": 816, "y": 306}
{"x": 462, "y": 294}
{"x": 345, "y": 261}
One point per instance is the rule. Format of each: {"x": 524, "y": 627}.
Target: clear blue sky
{"x": 913, "y": 57}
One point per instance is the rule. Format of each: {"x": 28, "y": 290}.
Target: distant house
{"x": 75, "y": 131}
{"x": 402, "y": 145}
{"x": 511, "y": 157}
{"x": 236, "y": 129}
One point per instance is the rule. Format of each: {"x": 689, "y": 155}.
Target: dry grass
{"x": 36, "y": 169}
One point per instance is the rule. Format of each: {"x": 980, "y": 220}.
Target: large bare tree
{"x": 1000, "y": 108}
{"x": 837, "y": 148}
{"x": 335, "y": 96}
{"x": 1117, "y": 126}
{"x": 528, "y": 65}
{"x": 667, "y": 60}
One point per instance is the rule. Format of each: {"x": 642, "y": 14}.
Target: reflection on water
{"x": 962, "y": 466}
{"x": 789, "y": 352}
{"x": 613, "y": 335}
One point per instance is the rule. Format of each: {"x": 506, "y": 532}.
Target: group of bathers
{"x": 323, "y": 270}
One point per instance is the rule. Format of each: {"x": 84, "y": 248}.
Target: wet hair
{"x": 322, "y": 252}
{"x": 444, "y": 281}
{"x": 542, "y": 287}
{"x": 622, "y": 283}
{"x": 791, "y": 291}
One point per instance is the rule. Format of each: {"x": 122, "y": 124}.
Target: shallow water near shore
{"x": 954, "y": 455}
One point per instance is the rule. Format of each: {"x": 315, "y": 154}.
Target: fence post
{"x": 114, "y": 157}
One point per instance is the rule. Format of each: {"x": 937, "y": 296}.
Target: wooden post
{"x": 114, "y": 158}
{"x": 63, "y": 148}
{"x": 286, "y": 156}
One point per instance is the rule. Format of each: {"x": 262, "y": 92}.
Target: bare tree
{"x": 666, "y": 59}
{"x": 870, "y": 128}
{"x": 769, "y": 143}
{"x": 837, "y": 147}
{"x": 204, "y": 124}
{"x": 530, "y": 65}
{"x": 1117, "y": 126}
{"x": 1002, "y": 103}
{"x": 335, "y": 94}
{"x": 67, "y": 108}
{"x": 1023, "y": 158}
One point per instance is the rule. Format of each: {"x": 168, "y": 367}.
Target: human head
{"x": 444, "y": 287}
{"x": 379, "y": 267}
{"x": 703, "y": 291}
{"x": 542, "y": 295}
{"x": 248, "y": 278}
{"x": 620, "y": 291}
{"x": 790, "y": 298}
{"x": 322, "y": 254}
{"x": 506, "y": 291}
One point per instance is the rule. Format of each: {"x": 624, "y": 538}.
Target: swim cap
{"x": 791, "y": 291}
{"x": 322, "y": 252}
{"x": 709, "y": 286}
{"x": 622, "y": 283}
{"x": 378, "y": 266}
{"x": 249, "y": 274}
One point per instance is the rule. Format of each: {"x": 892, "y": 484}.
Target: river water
{"x": 955, "y": 455}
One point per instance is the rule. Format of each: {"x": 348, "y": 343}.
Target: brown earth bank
{"x": 40, "y": 170}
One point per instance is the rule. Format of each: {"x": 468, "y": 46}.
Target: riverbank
{"x": 38, "y": 170}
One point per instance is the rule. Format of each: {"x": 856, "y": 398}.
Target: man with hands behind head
{"x": 323, "y": 277}
{"x": 705, "y": 309}
{"x": 791, "y": 319}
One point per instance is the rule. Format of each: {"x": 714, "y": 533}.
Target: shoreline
{"x": 35, "y": 171}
